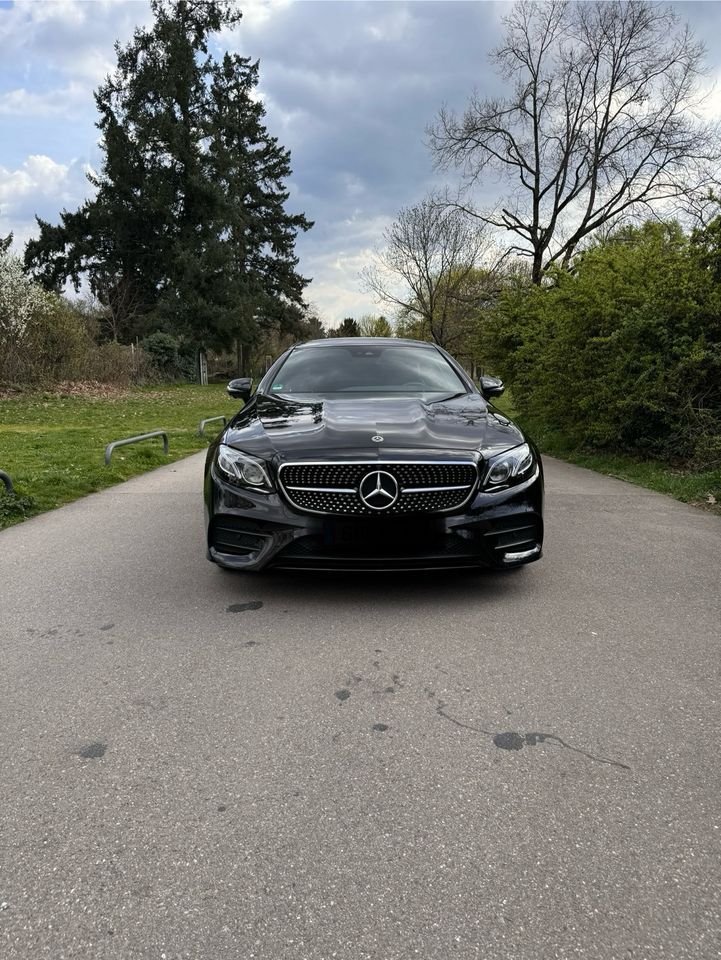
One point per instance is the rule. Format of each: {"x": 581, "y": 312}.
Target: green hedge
{"x": 624, "y": 352}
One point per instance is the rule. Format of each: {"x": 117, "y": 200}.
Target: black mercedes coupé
{"x": 371, "y": 454}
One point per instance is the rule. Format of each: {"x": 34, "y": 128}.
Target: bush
{"x": 171, "y": 358}
{"x": 622, "y": 353}
{"x": 45, "y": 338}
{"x": 13, "y": 505}
{"x": 707, "y": 451}
{"x": 56, "y": 345}
{"x": 48, "y": 344}
{"x": 122, "y": 364}
{"x": 162, "y": 348}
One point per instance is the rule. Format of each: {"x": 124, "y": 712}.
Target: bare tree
{"x": 123, "y": 306}
{"x": 602, "y": 120}
{"x": 430, "y": 252}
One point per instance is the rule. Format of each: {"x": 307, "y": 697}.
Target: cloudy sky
{"x": 349, "y": 87}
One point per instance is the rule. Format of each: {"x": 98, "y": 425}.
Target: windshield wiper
{"x": 451, "y": 396}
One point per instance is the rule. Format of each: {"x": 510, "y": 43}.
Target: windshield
{"x": 370, "y": 370}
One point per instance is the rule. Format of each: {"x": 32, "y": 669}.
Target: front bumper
{"x": 248, "y": 530}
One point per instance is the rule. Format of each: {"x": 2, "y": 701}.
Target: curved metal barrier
{"x": 201, "y": 425}
{"x": 5, "y": 478}
{"x": 143, "y": 436}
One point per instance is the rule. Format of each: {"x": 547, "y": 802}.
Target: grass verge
{"x": 700, "y": 488}
{"x": 53, "y": 446}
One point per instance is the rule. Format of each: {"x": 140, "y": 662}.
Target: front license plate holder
{"x": 341, "y": 533}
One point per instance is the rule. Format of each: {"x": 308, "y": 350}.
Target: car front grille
{"x": 335, "y": 488}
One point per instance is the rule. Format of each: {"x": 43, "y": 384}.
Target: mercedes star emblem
{"x": 378, "y": 490}
{"x": 377, "y": 438}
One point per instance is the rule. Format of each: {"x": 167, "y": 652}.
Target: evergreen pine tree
{"x": 188, "y": 230}
{"x": 348, "y": 328}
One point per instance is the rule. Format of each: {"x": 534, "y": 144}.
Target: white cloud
{"x": 336, "y": 292}
{"x": 711, "y": 90}
{"x": 38, "y": 173}
{"x": 258, "y": 13}
{"x": 71, "y": 37}
{"x": 392, "y": 24}
{"x": 29, "y": 103}
{"x": 39, "y": 186}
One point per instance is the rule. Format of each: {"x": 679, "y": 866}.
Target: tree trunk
{"x": 238, "y": 357}
{"x": 537, "y": 271}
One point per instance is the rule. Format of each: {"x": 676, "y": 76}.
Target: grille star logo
{"x": 378, "y": 490}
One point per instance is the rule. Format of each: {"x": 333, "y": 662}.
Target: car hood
{"x": 279, "y": 429}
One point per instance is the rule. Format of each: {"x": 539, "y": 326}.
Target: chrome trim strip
{"x": 463, "y": 486}
{"x": 378, "y": 463}
{"x": 326, "y": 489}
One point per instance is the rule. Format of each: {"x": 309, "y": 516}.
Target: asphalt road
{"x": 196, "y": 764}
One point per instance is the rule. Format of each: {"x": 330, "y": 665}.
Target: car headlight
{"x": 509, "y": 467}
{"x": 243, "y": 469}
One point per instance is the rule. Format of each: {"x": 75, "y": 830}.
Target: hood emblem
{"x": 378, "y": 490}
{"x": 377, "y": 438}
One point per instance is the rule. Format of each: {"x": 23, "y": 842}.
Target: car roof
{"x": 362, "y": 341}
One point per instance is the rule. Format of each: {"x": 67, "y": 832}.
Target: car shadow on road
{"x": 415, "y": 588}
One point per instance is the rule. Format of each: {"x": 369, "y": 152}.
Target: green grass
{"x": 53, "y": 446}
{"x": 698, "y": 487}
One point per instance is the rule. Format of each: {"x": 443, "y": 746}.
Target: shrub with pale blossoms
{"x": 21, "y": 298}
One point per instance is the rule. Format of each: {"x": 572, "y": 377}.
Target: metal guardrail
{"x": 201, "y": 425}
{"x": 5, "y": 478}
{"x": 143, "y": 436}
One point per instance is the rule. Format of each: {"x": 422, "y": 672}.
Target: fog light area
{"x": 522, "y": 555}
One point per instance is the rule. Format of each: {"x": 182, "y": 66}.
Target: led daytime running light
{"x": 243, "y": 469}
{"x": 509, "y": 466}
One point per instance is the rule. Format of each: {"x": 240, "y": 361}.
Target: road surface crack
{"x": 512, "y": 740}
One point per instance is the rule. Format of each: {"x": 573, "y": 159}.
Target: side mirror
{"x": 241, "y": 388}
{"x": 491, "y": 387}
